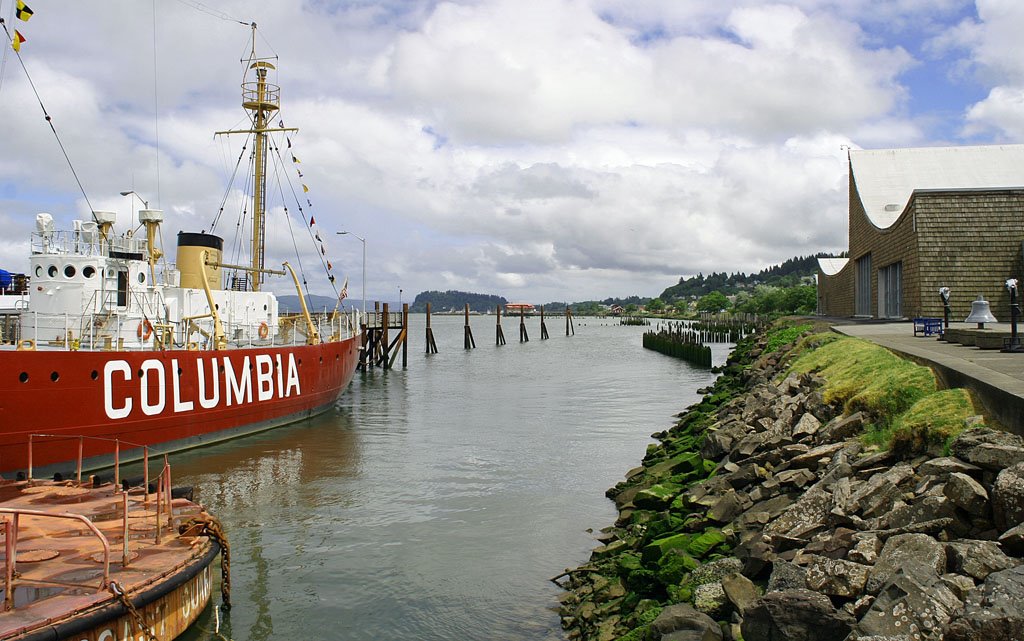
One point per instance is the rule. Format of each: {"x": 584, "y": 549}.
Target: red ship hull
{"x": 168, "y": 400}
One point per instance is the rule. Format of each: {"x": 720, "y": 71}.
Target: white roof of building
{"x": 886, "y": 178}
{"x": 832, "y": 266}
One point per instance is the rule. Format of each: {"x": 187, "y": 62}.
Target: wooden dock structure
{"x": 386, "y": 333}
{"x": 378, "y": 350}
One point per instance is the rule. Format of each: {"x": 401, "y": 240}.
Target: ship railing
{"x": 11, "y": 527}
{"x": 85, "y": 242}
{"x": 164, "y": 513}
{"x": 163, "y": 498}
{"x": 95, "y": 328}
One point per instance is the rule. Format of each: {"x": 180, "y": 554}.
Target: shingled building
{"x": 926, "y": 218}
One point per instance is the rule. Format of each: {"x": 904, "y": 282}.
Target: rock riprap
{"x": 762, "y": 515}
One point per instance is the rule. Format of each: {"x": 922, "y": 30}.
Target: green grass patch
{"x": 776, "y": 338}
{"x": 932, "y": 423}
{"x": 862, "y": 376}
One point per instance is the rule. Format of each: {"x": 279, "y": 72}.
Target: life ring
{"x": 144, "y": 330}
{"x": 264, "y": 330}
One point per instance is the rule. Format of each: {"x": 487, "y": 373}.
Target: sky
{"x": 541, "y": 150}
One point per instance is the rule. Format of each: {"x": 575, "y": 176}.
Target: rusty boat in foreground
{"x": 94, "y": 561}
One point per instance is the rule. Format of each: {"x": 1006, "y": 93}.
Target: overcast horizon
{"x": 539, "y": 150}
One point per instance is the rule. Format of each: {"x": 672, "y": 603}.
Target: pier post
{"x": 405, "y": 335}
{"x": 499, "y": 336}
{"x": 543, "y": 327}
{"x": 523, "y": 336}
{"x": 568, "y": 321}
{"x": 469, "y": 342}
{"x": 431, "y": 345}
{"x": 384, "y": 344}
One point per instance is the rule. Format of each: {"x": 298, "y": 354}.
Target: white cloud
{"x": 538, "y": 149}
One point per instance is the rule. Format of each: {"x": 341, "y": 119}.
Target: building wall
{"x": 886, "y": 246}
{"x": 835, "y": 293}
{"x": 969, "y": 241}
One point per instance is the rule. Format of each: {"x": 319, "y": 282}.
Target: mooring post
{"x": 384, "y": 344}
{"x": 405, "y": 335}
{"x": 469, "y": 342}
{"x": 568, "y": 321}
{"x": 364, "y": 325}
{"x": 543, "y": 327}
{"x": 499, "y": 336}
{"x": 523, "y": 336}
{"x": 431, "y": 345}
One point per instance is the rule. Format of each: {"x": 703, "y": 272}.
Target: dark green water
{"x": 436, "y": 502}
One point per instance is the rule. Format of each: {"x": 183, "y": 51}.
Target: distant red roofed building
{"x": 514, "y": 309}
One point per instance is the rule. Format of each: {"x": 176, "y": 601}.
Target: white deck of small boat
{"x": 77, "y": 549}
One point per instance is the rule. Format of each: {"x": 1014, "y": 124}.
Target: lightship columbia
{"x": 118, "y": 344}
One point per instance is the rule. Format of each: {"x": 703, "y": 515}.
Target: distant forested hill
{"x": 453, "y": 300}
{"x": 289, "y": 304}
{"x": 787, "y": 274}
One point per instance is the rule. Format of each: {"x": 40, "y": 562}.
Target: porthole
{"x": 69, "y": 271}
{"x": 110, "y": 273}
{"x": 23, "y": 377}
{"x": 94, "y": 375}
{"x": 264, "y": 308}
{"x": 39, "y": 271}
{"x": 88, "y": 271}
{"x": 142, "y": 277}
{"x": 300, "y": 362}
{"x": 52, "y": 271}
{"x": 337, "y": 357}
{"x": 179, "y": 371}
{"x": 54, "y": 376}
{"x": 321, "y": 360}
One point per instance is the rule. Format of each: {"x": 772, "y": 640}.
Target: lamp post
{"x": 132, "y": 192}
{"x": 145, "y": 203}
{"x": 363, "y": 241}
{"x": 399, "y": 297}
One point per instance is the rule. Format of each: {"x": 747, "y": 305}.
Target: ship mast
{"x": 261, "y": 99}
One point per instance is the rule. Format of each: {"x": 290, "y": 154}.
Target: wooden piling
{"x": 500, "y": 335}
{"x": 384, "y": 337}
{"x": 568, "y": 321}
{"x": 365, "y": 345}
{"x": 431, "y": 345}
{"x": 543, "y": 327}
{"x": 405, "y": 335}
{"x": 469, "y": 342}
{"x": 523, "y": 336}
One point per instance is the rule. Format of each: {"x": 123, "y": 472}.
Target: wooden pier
{"x": 378, "y": 350}
{"x": 386, "y": 334}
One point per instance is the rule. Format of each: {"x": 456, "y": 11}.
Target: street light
{"x": 363, "y": 241}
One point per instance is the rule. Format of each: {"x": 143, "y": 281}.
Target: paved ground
{"x": 996, "y": 377}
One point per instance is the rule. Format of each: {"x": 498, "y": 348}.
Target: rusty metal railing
{"x": 81, "y": 446}
{"x": 11, "y": 548}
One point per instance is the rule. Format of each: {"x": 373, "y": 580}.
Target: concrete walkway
{"x": 996, "y": 378}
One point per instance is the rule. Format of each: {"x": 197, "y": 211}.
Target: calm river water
{"x": 434, "y": 503}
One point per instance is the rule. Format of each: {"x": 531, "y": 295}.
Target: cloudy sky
{"x": 536, "y": 149}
